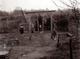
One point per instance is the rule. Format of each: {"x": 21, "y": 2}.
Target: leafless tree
{"x": 74, "y": 6}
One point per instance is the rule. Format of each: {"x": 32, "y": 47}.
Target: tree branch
{"x": 77, "y": 2}
{"x": 65, "y": 4}
{"x": 56, "y": 5}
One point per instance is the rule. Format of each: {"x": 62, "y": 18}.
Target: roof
{"x": 39, "y": 11}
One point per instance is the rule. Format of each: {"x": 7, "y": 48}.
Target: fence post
{"x": 70, "y": 45}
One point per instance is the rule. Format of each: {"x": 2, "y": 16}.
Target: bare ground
{"x": 39, "y": 47}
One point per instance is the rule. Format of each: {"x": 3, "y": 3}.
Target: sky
{"x": 10, "y": 5}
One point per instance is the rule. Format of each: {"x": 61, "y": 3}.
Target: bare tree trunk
{"x": 77, "y": 21}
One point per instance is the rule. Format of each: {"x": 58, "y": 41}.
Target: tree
{"x": 74, "y": 6}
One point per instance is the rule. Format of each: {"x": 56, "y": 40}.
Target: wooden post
{"x": 70, "y": 45}
{"x": 7, "y": 24}
{"x": 30, "y": 35}
{"x": 37, "y": 24}
{"x": 43, "y": 24}
{"x": 58, "y": 42}
{"x": 51, "y": 24}
{"x": 29, "y": 25}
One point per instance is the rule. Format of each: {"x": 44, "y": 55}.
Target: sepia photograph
{"x": 39, "y": 29}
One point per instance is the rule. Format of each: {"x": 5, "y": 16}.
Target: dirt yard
{"x": 39, "y": 47}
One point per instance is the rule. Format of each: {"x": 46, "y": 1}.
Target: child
{"x": 53, "y": 35}
{"x": 21, "y": 29}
